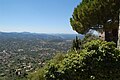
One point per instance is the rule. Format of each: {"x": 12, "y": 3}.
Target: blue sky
{"x": 39, "y": 16}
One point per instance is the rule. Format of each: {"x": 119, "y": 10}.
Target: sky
{"x": 37, "y": 16}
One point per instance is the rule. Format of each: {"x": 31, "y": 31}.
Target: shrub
{"x": 99, "y": 60}
{"x": 39, "y": 74}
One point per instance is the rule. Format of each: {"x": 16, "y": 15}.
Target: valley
{"x": 21, "y": 53}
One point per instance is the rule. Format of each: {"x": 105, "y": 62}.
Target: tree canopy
{"x": 95, "y": 13}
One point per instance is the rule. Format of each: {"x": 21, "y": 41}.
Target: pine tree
{"x": 76, "y": 44}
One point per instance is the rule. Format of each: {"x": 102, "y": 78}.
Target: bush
{"x": 99, "y": 60}
{"x": 39, "y": 74}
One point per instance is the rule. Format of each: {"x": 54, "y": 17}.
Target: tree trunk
{"x": 118, "y": 44}
{"x": 111, "y": 35}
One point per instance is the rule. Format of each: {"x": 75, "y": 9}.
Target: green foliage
{"x": 93, "y": 13}
{"x": 99, "y": 60}
{"x": 39, "y": 74}
{"x": 76, "y": 44}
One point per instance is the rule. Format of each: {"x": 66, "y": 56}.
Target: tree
{"x": 76, "y": 44}
{"x": 96, "y": 14}
{"x": 99, "y": 60}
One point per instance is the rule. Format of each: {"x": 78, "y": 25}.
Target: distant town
{"x": 21, "y": 53}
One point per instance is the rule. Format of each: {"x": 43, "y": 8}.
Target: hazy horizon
{"x": 37, "y": 16}
{"x": 36, "y": 32}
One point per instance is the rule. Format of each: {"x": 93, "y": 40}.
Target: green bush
{"x": 39, "y": 74}
{"x": 99, "y": 60}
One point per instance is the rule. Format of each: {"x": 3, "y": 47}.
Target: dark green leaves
{"x": 90, "y": 13}
{"x": 99, "y": 60}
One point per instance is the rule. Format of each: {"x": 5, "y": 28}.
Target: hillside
{"x": 21, "y": 53}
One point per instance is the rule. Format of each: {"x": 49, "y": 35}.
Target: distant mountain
{"x": 27, "y": 35}
{"x": 69, "y": 36}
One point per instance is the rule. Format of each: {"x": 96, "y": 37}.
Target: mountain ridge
{"x": 38, "y": 35}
